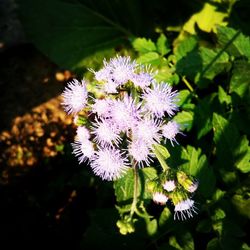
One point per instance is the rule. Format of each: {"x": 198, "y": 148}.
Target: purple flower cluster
{"x": 132, "y": 114}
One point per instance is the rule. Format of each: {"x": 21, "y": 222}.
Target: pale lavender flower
{"x": 102, "y": 75}
{"x": 184, "y": 208}
{"x": 75, "y": 96}
{"x": 143, "y": 78}
{"x": 82, "y": 133}
{"x": 170, "y": 130}
{"x": 147, "y": 130}
{"x": 160, "y": 198}
{"x": 160, "y": 99}
{"x": 121, "y": 69}
{"x": 140, "y": 151}
{"x": 83, "y": 150}
{"x": 109, "y": 163}
{"x": 102, "y": 107}
{"x": 193, "y": 187}
{"x": 125, "y": 113}
{"x": 105, "y": 133}
{"x": 110, "y": 87}
{"x": 169, "y": 185}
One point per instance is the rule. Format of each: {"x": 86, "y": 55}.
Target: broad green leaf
{"x": 152, "y": 58}
{"x": 195, "y": 163}
{"x": 143, "y": 45}
{"x": 124, "y": 187}
{"x": 185, "y": 119}
{"x": 206, "y": 19}
{"x": 213, "y": 63}
{"x": 162, "y": 45}
{"x": 240, "y": 81}
{"x": 232, "y": 150}
{"x": 198, "y": 166}
{"x": 236, "y": 43}
{"x": 70, "y": 31}
{"x": 183, "y": 240}
{"x": 203, "y": 115}
{"x": 190, "y": 64}
{"x": 185, "y": 46}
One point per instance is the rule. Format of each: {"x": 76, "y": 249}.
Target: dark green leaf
{"x": 124, "y": 187}
{"x": 70, "y": 31}
{"x": 232, "y": 150}
{"x": 239, "y": 45}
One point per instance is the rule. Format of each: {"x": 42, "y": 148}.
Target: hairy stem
{"x": 135, "y": 194}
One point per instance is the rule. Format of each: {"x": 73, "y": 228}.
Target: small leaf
{"x": 152, "y": 58}
{"x": 162, "y": 45}
{"x": 151, "y": 227}
{"x": 165, "y": 217}
{"x": 143, "y": 45}
{"x": 185, "y": 119}
{"x": 242, "y": 205}
{"x": 223, "y": 96}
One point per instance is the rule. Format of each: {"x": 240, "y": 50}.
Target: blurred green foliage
{"x": 202, "y": 48}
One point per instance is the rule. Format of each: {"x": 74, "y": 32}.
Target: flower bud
{"x": 160, "y": 198}
{"x": 169, "y": 185}
{"x": 187, "y": 182}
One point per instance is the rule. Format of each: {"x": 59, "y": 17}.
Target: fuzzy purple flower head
{"x": 132, "y": 114}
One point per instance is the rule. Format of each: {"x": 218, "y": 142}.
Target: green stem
{"x": 187, "y": 84}
{"x": 135, "y": 194}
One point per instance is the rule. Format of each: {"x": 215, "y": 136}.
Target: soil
{"x": 39, "y": 208}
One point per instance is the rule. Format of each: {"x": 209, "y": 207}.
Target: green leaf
{"x": 143, "y": 45}
{"x": 204, "y": 226}
{"x": 207, "y": 19}
{"x": 213, "y": 63}
{"x": 185, "y": 46}
{"x": 203, "y": 115}
{"x": 152, "y": 58}
{"x": 124, "y": 187}
{"x": 213, "y": 244}
{"x": 223, "y": 96}
{"x": 240, "y": 81}
{"x": 151, "y": 227}
{"x": 197, "y": 165}
{"x": 239, "y": 44}
{"x": 184, "y": 96}
{"x": 165, "y": 217}
{"x": 162, "y": 45}
{"x": 232, "y": 150}
{"x": 70, "y": 31}
{"x": 242, "y": 205}
{"x": 184, "y": 119}
{"x": 161, "y": 154}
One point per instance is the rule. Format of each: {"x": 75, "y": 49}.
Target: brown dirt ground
{"x": 34, "y": 126}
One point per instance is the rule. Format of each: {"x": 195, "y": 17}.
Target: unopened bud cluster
{"x": 177, "y": 187}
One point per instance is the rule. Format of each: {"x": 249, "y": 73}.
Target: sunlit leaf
{"x": 206, "y": 19}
